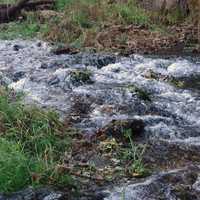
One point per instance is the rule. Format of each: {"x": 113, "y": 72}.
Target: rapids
{"x": 93, "y": 89}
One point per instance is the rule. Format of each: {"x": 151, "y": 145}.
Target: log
{"x": 39, "y": 5}
{"x": 10, "y": 12}
{"x": 31, "y": 6}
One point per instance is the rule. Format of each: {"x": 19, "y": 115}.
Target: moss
{"x": 141, "y": 93}
{"x": 80, "y": 77}
{"x": 177, "y": 83}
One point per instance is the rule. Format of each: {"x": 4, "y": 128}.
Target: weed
{"x": 83, "y": 18}
{"x": 141, "y": 93}
{"x": 135, "y": 155}
{"x": 80, "y": 77}
{"x": 7, "y": 1}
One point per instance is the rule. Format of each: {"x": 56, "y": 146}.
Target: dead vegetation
{"x": 122, "y": 26}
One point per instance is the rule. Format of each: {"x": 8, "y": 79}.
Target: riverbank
{"x": 120, "y": 27}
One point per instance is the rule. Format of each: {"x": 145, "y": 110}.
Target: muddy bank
{"x": 156, "y": 98}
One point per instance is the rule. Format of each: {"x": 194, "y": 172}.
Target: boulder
{"x": 175, "y": 184}
{"x": 119, "y": 128}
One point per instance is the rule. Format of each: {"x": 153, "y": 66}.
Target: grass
{"x": 25, "y": 29}
{"x": 130, "y": 13}
{"x": 129, "y": 154}
{"x": 134, "y": 155}
{"x": 83, "y": 19}
{"x": 14, "y": 164}
{"x": 32, "y": 145}
{"x": 79, "y": 22}
{"x": 76, "y": 21}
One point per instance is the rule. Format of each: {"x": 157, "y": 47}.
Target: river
{"x": 93, "y": 89}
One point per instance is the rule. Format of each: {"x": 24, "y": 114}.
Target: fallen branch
{"x": 39, "y": 5}
{"x": 65, "y": 50}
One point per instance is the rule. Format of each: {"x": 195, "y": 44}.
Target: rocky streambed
{"x": 158, "y": 98}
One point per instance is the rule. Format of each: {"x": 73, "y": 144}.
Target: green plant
{"x": 32, "y": 145}
{"x": 28, "y": 28}
{"x": 8, "y": 1}
{"x": 130, "y": 13}
{"x": 141, "y": 93}
{"x": 14, "y": 167}
{"x": 135, "y": 154}
{"x": 80, "y": 77}
{"x": 174, "y": 16}
{"x": 60, "y": 4}
{"x": 123, "y": 194}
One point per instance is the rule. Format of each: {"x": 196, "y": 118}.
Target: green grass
{"x": 14, "y": 171}
{"x": 130, "y": 13}
{"x": 61, "y": 4}
{"x": 79, "y": 22}
{"x": 26, "y": 29}
{"x": 134, "y": 155}
{"x": 32, "y": 145}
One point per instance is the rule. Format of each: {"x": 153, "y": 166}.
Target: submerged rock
{"x": 81, "y": 77}
{"x": 35, "y": 194}
{"x": 120, "y": 128}
{"x": 175, "y": 184}
{"x": 98, "y": 60}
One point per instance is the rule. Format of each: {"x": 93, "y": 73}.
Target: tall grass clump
{"x": 82, "y": 20}
{"x": 14, "y": 170}
{"x": 26, "y": 29}
{"x": 32, "y": 145}
{"x": 129, "y": 13}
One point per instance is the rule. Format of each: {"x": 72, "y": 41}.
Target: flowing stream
{"x": 93, "y": 89}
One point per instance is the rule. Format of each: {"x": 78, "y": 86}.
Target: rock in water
{"x": 119, "y": 128}
{"x": 35, "y": 194}
{"x": 172, "y": 185}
